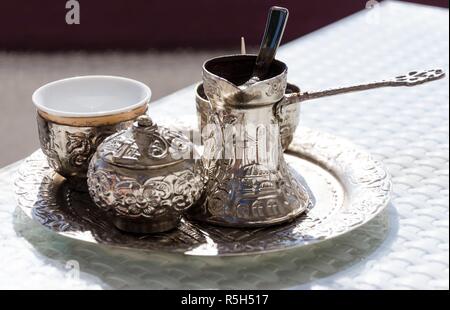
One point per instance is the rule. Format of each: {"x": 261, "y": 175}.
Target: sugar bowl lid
{"x": 145, "y": 145}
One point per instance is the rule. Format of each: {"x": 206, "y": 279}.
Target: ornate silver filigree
{"x": 141, "y": 177}
{"x": 68, "y": 148}
{"x": 149, "y": 199}
{"x": 221, "y": 76}
{"x": 289, "y": 117}
{"x": 248, "y": 183}
{"x": 351, "y": 189}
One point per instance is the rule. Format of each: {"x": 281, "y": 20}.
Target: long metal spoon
{"x": 276, "y": 23}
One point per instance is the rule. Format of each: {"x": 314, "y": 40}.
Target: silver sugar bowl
{"x": 145, "y": 177}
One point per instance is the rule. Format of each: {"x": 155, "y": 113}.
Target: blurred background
{"x": 161, "y": 43}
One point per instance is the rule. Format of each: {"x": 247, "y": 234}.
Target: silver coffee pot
{"x": 248, "y": 182}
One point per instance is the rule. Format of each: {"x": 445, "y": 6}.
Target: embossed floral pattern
{"x": 126, "y": 196}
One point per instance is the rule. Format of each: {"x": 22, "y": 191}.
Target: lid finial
{"x": 144, "y": 121}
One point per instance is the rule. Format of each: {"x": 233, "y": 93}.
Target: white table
{"x": 408, "y": 129}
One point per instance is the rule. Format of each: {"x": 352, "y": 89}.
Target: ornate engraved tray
{"x": 350, "y": 188}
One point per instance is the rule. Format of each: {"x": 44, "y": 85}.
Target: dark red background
{"x": 142, "y": 24}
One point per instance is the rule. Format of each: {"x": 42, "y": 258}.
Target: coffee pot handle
{"x": 412, "y": 78}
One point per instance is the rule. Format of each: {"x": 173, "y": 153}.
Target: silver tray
{"x": 350, "y": 188}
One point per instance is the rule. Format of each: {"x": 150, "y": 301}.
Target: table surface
{"x": 406, "y": 247}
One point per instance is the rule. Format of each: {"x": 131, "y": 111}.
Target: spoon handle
{"x": 276, "y": 22}
{"x": 411, "y": 79}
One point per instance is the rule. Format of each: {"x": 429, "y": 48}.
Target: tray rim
{"x": 295, "y": 149}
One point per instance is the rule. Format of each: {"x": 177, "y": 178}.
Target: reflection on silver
{"x": 350, "y": 189}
